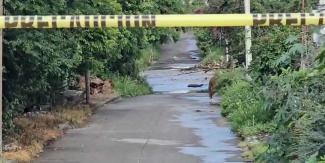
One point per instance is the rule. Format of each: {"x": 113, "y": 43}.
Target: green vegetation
{"x": 282, "y": 92}
{"x": 40, "y": 64}
{"x": 130, "y": 87}
{"x": 147, "y": 56}
{"x": 213, "y": 55}
{"x": 243, "y": 104}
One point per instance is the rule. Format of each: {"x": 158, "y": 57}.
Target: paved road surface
{"x": 176, "y": 125}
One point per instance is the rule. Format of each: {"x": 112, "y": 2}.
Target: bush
{"x": 147, "y": 56}
{"x": 205, "y": 39}
{"x": 244, "y": 107}
{"x": 298, "y": 100}
{"x": 130, "y": 87}
{"x": 226, "y": 78}
{"x": 214, "y": 55}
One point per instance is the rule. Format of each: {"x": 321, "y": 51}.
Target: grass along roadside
{"x": 243, "y": 107}
{"x": 280, "y": 120}
{"x": 37, "y": 130}
{"x": 147, "y": 57}
{"x": 213, "y": 56}
{"x": 128, "y": 86}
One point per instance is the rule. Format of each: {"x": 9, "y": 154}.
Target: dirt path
{"x": 173, "y": 126}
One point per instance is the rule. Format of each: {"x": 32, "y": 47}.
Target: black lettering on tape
{"x": 321, "y": 19}
{"x": 27, "y": 21}
{"x": 54, "y": 22}
{"x": 41, "y": 23}
{"x": 11, "y": 24}
{"x": 274, "y": 20}
{"x": 303, "y": 19}
{"x": 96, "y": 21}
{"x": 128, "y": 21}
{"x": 146, "y": 21}
{"x": 75, "y": 20}
{"x": 259, "y": 19}
{"x": 137, "y": 21}
{"x": 153, "y": 20}
{"x": 120, "y": 21}
{"x": 103, "y": 20}
{"x": 87, "y": 21}
{"x": 291, "y": 20}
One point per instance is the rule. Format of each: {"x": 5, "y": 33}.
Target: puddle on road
{"x": 217, "y": 142}
{"x": 173, "y": 80}
{"x": 148, "y": 141}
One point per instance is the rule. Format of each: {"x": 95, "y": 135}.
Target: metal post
{"x": 248, "y": 36}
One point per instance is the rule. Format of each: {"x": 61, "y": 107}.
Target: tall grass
{"x": 243, "y": 105}
{"x": 129, "y": 87}
{"x": 213, "y": 55}
{"x": 146, "y": 57}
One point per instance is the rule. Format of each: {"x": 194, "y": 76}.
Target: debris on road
{"x": 195, "y": 85}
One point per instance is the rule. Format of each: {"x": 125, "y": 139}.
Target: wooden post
{"x": 87, "y": 82}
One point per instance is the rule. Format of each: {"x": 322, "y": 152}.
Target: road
{"x": 175, "y": 125}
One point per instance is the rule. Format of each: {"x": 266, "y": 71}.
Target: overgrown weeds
{"x": 127, "y": 86}
{"x": 243, "y": 106}
{"x": 289, "y": 107}
{"x": 213, "y": 56}
{"x": 147, "y": 56}
{"x": 37, "y": 130}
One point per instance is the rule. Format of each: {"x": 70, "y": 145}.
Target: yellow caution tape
{"x": 198, "y": 20}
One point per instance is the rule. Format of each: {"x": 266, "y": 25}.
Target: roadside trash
{"x": 195, "y": 85}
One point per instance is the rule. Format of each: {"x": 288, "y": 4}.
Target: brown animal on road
{"x": 212, "y": 87}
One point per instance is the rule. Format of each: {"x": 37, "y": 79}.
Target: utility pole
{"x": 1, "y": 70}
{"x": 303, "y": 39}
{"x": 248, "y": 36}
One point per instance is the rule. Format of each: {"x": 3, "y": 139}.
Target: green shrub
{"x": 147, "y": 56}
{"x": 298, "y": 100}
{"x": 214, "y": 55}
{"x": 130, "y": 87}
{"x": 245, "y": 109}
{"x": 205, "y": 39}
{"x": 226, "y": 78}
{"x": 251, "y": 130}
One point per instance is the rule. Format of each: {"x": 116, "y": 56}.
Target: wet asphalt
{"x": 174, "y": 125}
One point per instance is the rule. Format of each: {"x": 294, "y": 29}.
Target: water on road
{"x": 217, "y": 142}
{"x": 175, "y": 125}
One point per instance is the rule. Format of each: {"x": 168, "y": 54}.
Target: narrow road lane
{"x": 176, "y": 125}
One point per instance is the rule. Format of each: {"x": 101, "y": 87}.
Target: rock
{"x": 11, "y": 147}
